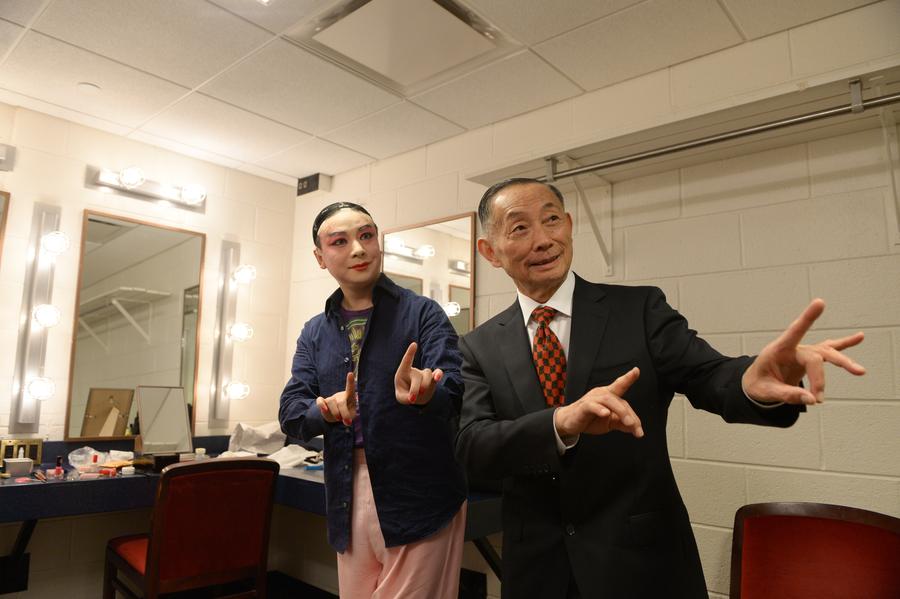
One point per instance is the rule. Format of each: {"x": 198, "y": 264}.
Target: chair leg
{"x": 109, "y": 573}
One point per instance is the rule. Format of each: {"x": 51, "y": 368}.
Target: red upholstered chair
{"x": 210, "y": 526}
{"x": 815, "y": 551}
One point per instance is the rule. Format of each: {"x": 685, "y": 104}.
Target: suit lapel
{"x": 515, "y": 351}
{"x": 589, "y": 317}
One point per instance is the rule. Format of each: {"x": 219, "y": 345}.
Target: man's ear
{"x": 487, "y": 250}
{"x": 318, "y": 254}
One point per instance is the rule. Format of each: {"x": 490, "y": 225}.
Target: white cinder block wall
{"x": 740, "y": 246}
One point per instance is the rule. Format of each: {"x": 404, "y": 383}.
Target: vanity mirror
{"x": 436, "y": 259}
{"x": 135, "y": 324}
{"x": 165, "y": 427}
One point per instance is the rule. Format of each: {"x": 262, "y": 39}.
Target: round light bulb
{"x": 394, "y": 243}
{"x": 244, "y": 273}
{"x": 425, "y": 251}
{"x": 55, "y": 242}
{"x": 46, "y": 315}
{"x": 193, "y": 194}
{"x": 131, "y": 177}
{"x": 41, "y": 388}
{"x": 240, "y": 331}
{"x": 452, "y": 309}
{"x": 237, "y": 390}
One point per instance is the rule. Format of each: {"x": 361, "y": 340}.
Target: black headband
{"x": 326, "y": 212}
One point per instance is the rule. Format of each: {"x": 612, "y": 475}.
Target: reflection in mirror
{"x": 4, "y": 208}
{"x": 190, "y": 311}
{"x": 436, "y": 259}
{"x": 166, "y": 426}
{"x": 136, "y": 321}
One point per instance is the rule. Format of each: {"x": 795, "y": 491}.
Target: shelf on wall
{"x": 116, "y": 302}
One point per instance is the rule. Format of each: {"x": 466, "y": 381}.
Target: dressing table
{"x": 296, "y": 488}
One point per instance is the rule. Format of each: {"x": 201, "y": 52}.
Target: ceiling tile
{"x": 290, "y": 85}
{"x": 184, "y": 149}
{"x": 315, "y": 156}
{"x": 394, "y": 130}
{"x": 50, "y": 70}
{"x": 505, "y": 88}
{"x": 15, "y": 99}
{"x": 214, "y": 126}
{"x": 757, "y": 18}
{"x": 9, "y": 33}
{"x": 641, "y": 39}
{"x": 267, "y": 174}
{"x": 533, "y": 21}
{"x": 276, "y": 16}
{"x": 20, "y": 11}
{"x": 185, "y": 41}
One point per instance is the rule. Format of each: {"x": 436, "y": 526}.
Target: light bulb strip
{"x": 224, "y": 347}
{"x": 32, "y": 342}
{"x": 189, "y": 197}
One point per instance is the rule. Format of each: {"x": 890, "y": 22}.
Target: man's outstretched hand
{"x": 778, "y": 369}
{"x": 601, "y": 410}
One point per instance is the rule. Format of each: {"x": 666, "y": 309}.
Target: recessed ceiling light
{"x": 264, "y": 2}
{"x": 86, "y": 87}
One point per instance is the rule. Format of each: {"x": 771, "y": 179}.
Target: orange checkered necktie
{"x": 549, "y": 357}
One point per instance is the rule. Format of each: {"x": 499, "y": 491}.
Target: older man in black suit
{"x": 554, "y": 381}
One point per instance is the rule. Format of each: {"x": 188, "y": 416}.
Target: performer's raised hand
{"x": 340, "y": 406}
{"x": 412, "y": 385}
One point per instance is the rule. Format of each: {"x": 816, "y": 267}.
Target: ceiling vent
{"x": 405, "y": 45}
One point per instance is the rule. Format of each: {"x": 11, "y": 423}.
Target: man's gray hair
{"x": 486, "y": 205}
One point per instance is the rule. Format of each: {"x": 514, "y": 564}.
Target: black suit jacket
{"x": 608, "y": 512}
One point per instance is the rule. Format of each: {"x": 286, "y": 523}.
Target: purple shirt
{"x": 355, "y": 322}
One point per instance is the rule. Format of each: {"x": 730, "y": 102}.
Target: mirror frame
{"x": 3, "y": 212}
{"x": 473, "y": 240}
{"x": 84, "y": 225}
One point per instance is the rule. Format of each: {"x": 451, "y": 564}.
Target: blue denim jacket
{"x": 416, "y": 482}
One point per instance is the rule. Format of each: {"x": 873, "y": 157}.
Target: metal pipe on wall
{"x": 854, "y": 107}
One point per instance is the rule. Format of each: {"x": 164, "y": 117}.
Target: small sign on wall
{"x": 313, "y": 183}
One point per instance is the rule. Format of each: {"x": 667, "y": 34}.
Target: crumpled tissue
{"x": 264, "y": 439}
{"x": 292, "y": 455}
{"x": 237, "y": 454}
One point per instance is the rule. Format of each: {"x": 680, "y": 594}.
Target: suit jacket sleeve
{"x": 709, "y": 380}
